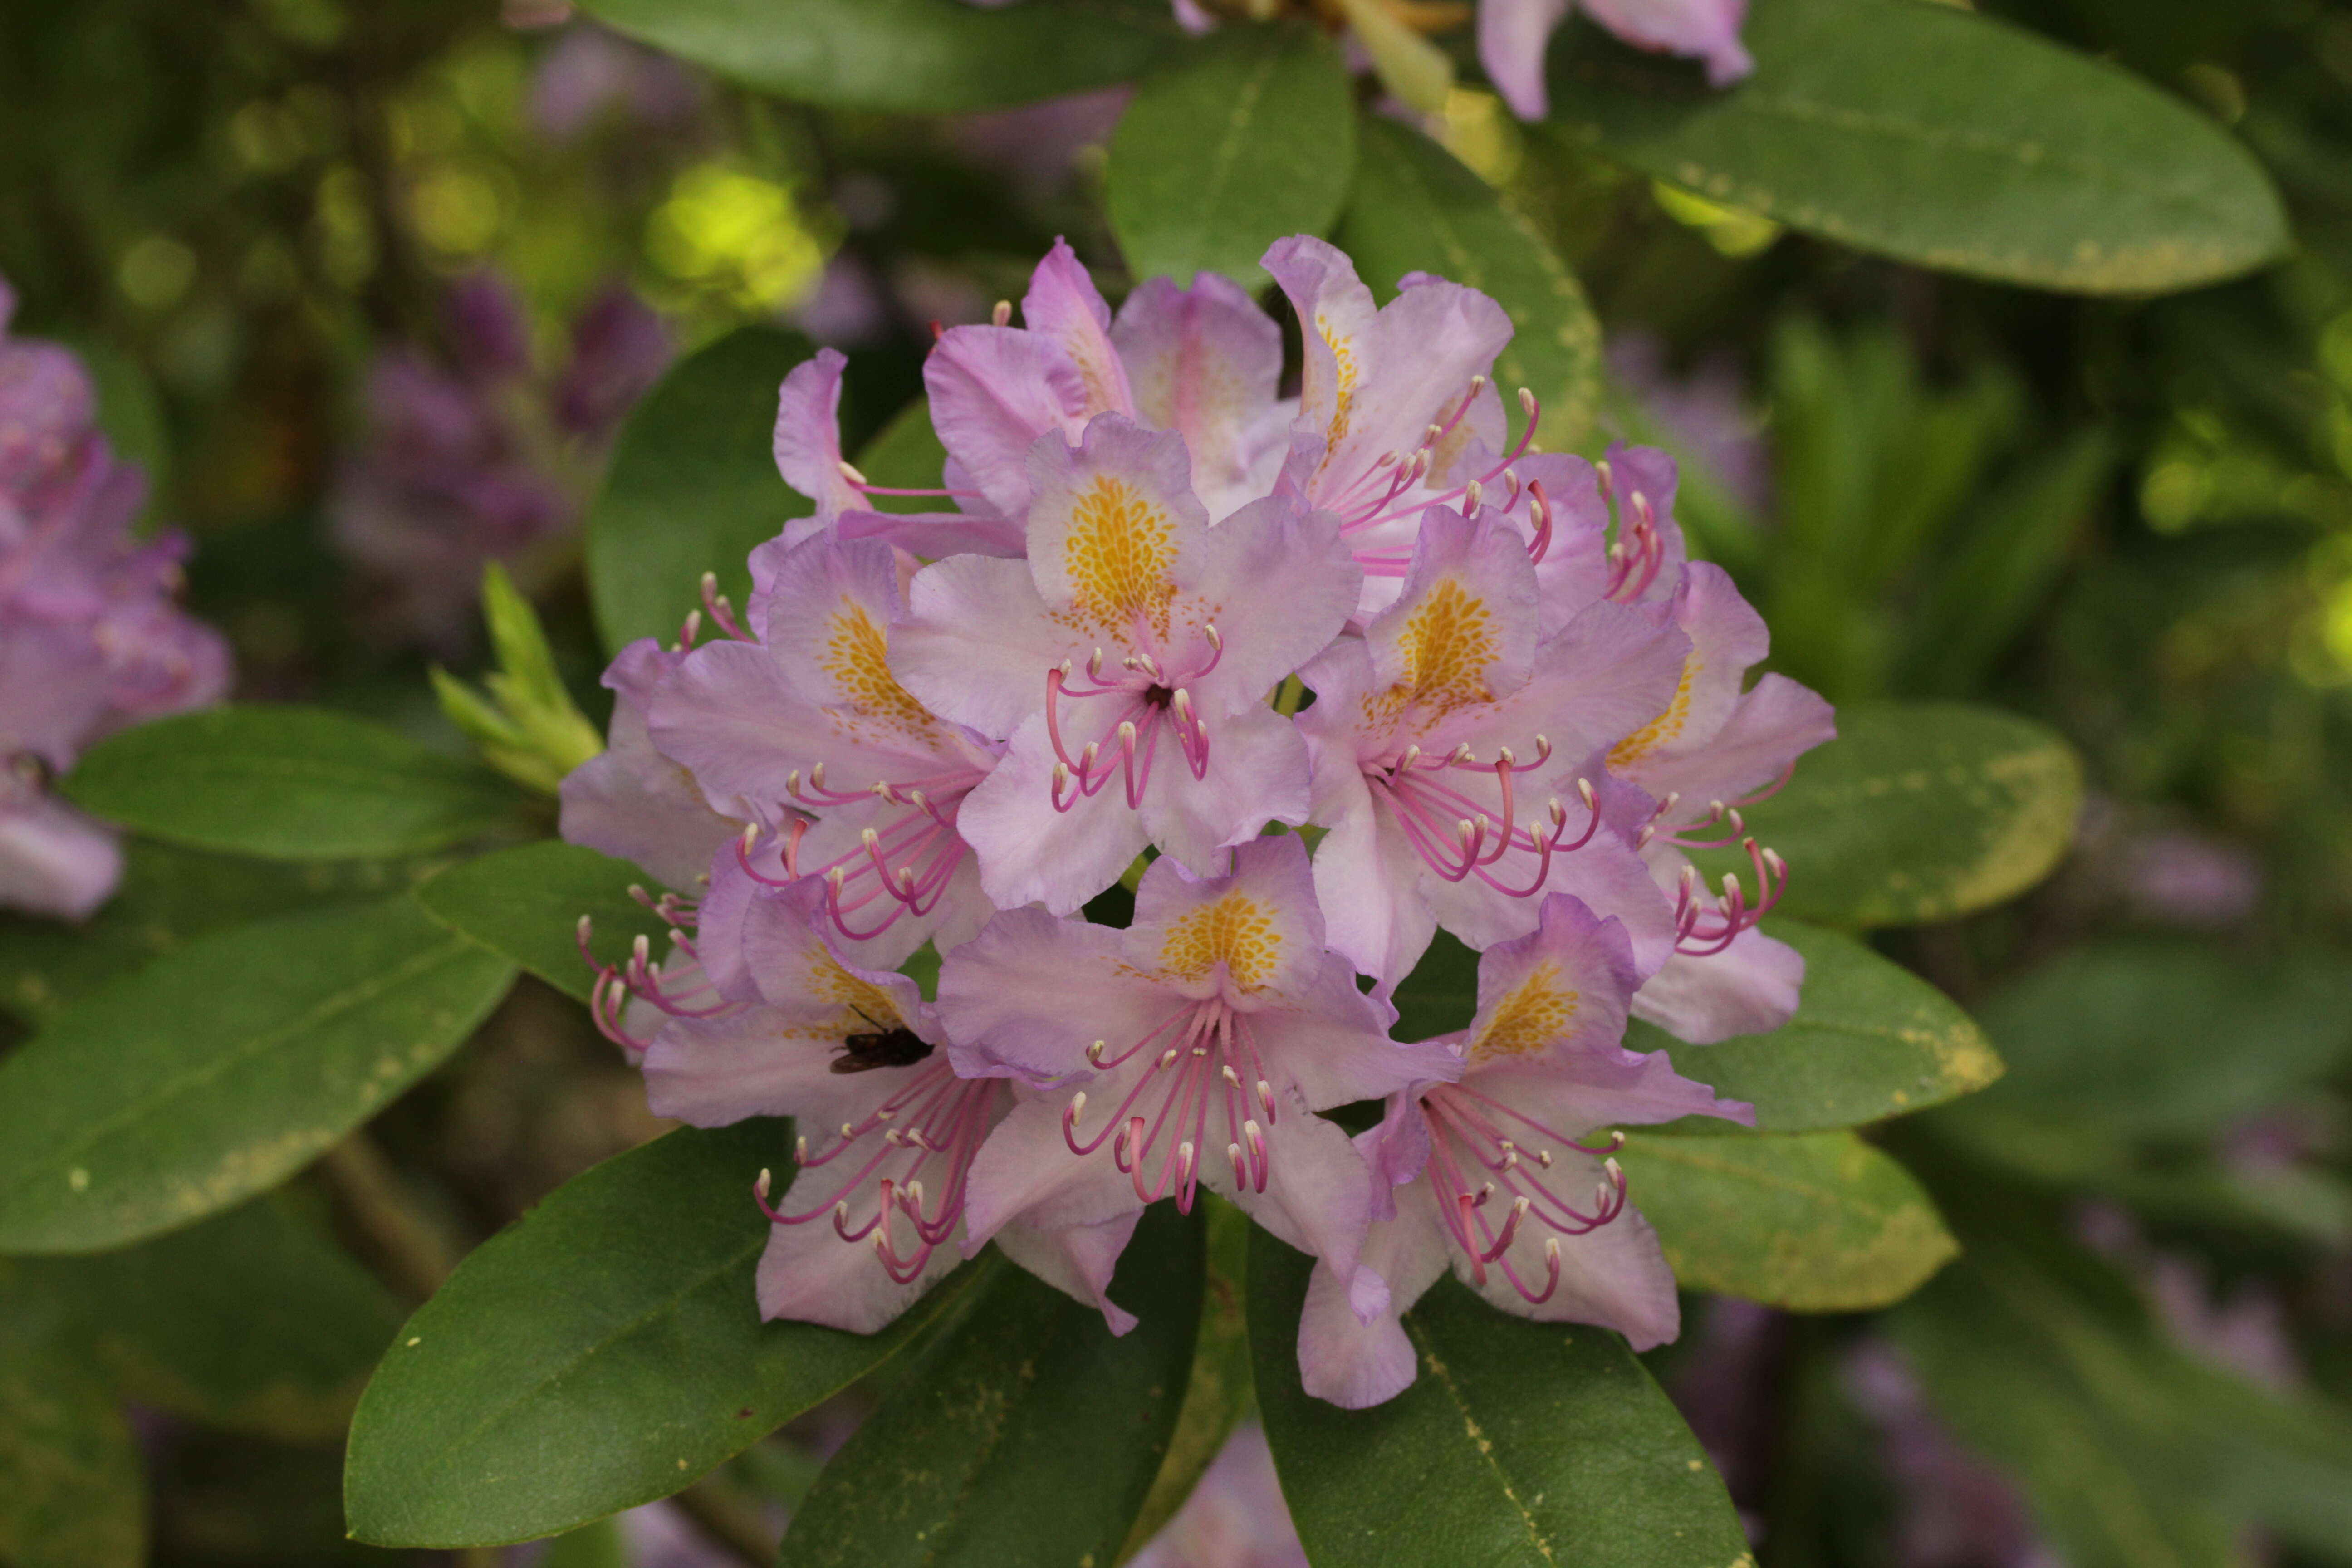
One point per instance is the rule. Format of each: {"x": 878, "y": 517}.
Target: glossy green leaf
{"x": 1813, "y": 1222}
{"x": 525, "y": 905}
{"x": 1519, "y": 1444}
{"x": 1415, "y": 208}
{"x": 600, "y": 1353}
{"x": 1217, "y": 1390}
{"x": 1232, "y": 145}
{"x": 693, "y": 483}
{"x": 1027, "y": 1434}
{"x": 252, "y": 1320}
{"x": 930, "y": 57}
{"x": 1917, "y": 812}
{"x": 1870, "y": 1040}
{"x": 1941, "y": 138}
{"x": 169, "y": 896}
{"x": 288, "y": 783}
{"x": 221, "y": 1069}
{"x": 72, "y": 1490}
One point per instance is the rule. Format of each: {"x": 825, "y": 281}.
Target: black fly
{"x": 879, "y": 1048}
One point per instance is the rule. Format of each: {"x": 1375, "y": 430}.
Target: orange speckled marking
{"x": 1343, "y": 399}
{"x": 1663, "y": 730}
{"x": 1118, "y": 553}
{"x": 1530, "y": 1019}
{"x": 1236, "y": 931}
{"x": 1446, "y": 645}
{"x": 863, "y": 1006}
{"x": 856, "y": 657}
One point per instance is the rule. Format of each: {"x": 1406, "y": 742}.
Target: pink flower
{"x": 1449, "y": 744}
{"x": 1235, "y": 1517}
{"x": 1127, "y": 661}
{"x": 880, "y": 1189}
{"x": 632, "y": 802}
{"x": 803, "y": 731}
{"x": 1513, "y": 34}
{"x": 1491, "y": 1175}
{"x": 1204, "y": 1036}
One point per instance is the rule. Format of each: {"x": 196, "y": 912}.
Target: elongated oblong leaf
{"x": 919, "y": 55}
{"x": 1217, "y": 1390}
{"x": 1941, "y": 138}
{"x": 1917, "y": 812}
{"x": 693, "y": 484}
{"x": 1026, "y": 1435}
{"x": 1870, "y": 1040}
{"x": 1813, "y": 1222}
{"x": 600, "y": 1353}
{"x": 252, "y": 1320}
{"x": 1244, "y": 138}
{"x": 1519, "y": 1444}
{"x": 288, "y": 783}
{"x": 525, "y": 904}
{"x": 1415, "y": 208}
{"x": 224, "y": 1068}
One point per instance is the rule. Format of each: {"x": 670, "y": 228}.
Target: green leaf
{"x": 600, "y": 1352}
{"x": 1026, "y": 1435}
{"x": 224, "y": 1068}
{"x": 1870, "y": 1040}
{"x": 1916, "y": 811}
{"x": 693, "y": 483}
{"x": 1415, "y": 208}
{"x": 169, "y": 897}
{"x": 1440, "y": 994}
{"x": 1941, "y": 138}
{"x": 523, "y": 718}
{"x": 1812, "y": 1222}
{"x": 906, "y": 453}
{"x": 916, "y": 56}
{"x": 73, "y": 1493}
{"x": 1235, "y": 143}
{"x": 252, "y": 1320}
{"x": 1520, "y": 1445}
{"x": 1217, "y": 1390}
{"x": 288, "y": 783}
{"x": 525, "y": 905}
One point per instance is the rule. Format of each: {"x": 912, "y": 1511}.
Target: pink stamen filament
{"x": 1384, "y": 513}
{"x": 1201, "y": 1073}
{"x": 1732, "y": 912}
{"x": 1148, "y": 700}
{"x": 1456, "y": 835}
{"x": 1462, "y": 1131}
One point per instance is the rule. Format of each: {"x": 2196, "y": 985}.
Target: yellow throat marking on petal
{"x": 1663, "y": 730}
{"x": 1537, "y": 1013}
{"x": 863, "y": 1004}
{"x": 856, "y": 657}
{"x": 1447, "y": 643}
{"x": 1236, "y": 930}
{"x": 1118, "y": 553}
{"x": 1343, "y": 396}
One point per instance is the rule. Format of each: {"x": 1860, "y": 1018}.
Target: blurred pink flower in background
{"x": 1235, "y": 1517}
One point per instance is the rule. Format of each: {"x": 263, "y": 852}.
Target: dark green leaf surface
{"x": 336, "y": 787}
{"x": 693, "y": 484}
{"x": 1026, "y": 1435}
{"x": 1519, "y": 1444}
{"x": 602, "y": 1351}
{"x": 525, "y": 905}
{"x": 1941, "y": 138}
{"x": 1414, "y": 206}
{"x": 1813, "y": 1222}
{"x": 72, "y": 1490}
{"x": 931, "y": 57}
{"x": 169, "y": 896}
{"x": 1917, "y": 812}
{"x": 252, "y": 1320}
{"x": 1249, "y": 137}
{"x": 1217, "y": 1390}
{"x": 1870, "y": 1040}
{"x": 224, "y": 1068}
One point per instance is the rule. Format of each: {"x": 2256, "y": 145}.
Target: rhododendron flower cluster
{"x": 90, "y": 639}
{"x": 1314, "y": 676}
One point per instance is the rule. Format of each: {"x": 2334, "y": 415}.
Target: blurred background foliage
{"x": 2131, "y": 518}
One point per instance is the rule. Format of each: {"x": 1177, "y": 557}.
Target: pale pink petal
{"x": 1280, "y": 586}
{"x": 1025, "y": 1171}
{"x": 935, "y": 535}
{"x": 731, "y": 718}
{"x": 1063, "y": 304}
{"x": 978, "y": 641}
{"x": 808, "y": 434}
{"x": 1114, "y": 529}
{"x": 1770, "y": 726}
{"x": 993, "y": 392}
{"x": 1560, "y": 991}
{"x": 1030, "y": 994}
{"x": 1332, "y": 1043}
{"x": 1615, "y": 1277}
{"x": 1610, "y": 670}
{"x": 1464, "y": 629}
{"x": 1077, "y": 1260}
{"x": 714, "y": 1072}
{"x": 1318, "y": 1188}
{"x": 1749, "y": 988}
{"x": 1512, "y": 37}
{"x": 1357, "y": 1365}
{"x": 809, "y": 1274}
{"x": 1205, "y": 362}
{"x": 54, "y": 860}
{"x": 632, "y": 802}
{"x": 1727, "y": 637}
{"x": 1263, "y": 909}
{"x": 1030, "y": 851}
{"x": 1336, "y": 312}
{"x": 1704, "y": 29}
{"x": 1256, "y": 773}
{"x": 1602, "y": 875}
{"x": 1645, "y": 478}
